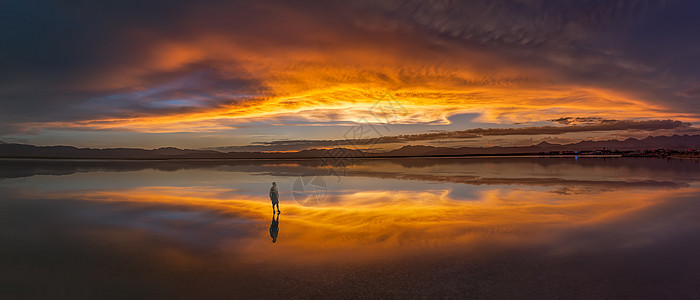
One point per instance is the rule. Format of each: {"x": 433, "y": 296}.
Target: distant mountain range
{"x": 10, "y": 150}
{"x": 675, "y": 142}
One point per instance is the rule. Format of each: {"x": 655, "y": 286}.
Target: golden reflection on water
{"x": 374, "y": 225}
{"x": 417, "y": 228}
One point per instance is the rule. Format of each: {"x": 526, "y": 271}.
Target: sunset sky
{"x": 291, "y": 75}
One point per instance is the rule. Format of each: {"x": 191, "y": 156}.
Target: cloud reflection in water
{"x": 495, "y": 227}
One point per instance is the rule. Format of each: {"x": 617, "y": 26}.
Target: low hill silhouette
{"x": 675, "y": 142}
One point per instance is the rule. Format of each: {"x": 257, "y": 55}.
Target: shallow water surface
{"x": 405, "y": 228}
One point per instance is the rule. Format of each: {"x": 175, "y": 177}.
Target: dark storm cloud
{"x": 63, "y": 61}
{"x": 603, "y": 125}
{"x": 648, "y": 49}
{"x": 196, "y": 86}
{"x": 49, "y": 47}
{"x": 577, "y": 120}
{"x": 522, "y": 23}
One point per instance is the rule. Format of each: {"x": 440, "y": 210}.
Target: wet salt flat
{"x": 410, "y": 228}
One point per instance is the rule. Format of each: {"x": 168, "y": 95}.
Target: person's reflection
{"x": 275, "y": 227}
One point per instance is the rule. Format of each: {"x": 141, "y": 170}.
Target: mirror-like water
{"x": 478, "y": 227}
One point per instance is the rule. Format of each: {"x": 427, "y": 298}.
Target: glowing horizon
{"x": 271, "y": 71}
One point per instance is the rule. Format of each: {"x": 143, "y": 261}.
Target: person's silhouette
{"x": 275, "y": 227}
{"x": 275, "y": 197}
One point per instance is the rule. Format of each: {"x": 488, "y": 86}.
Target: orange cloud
{"x": 338, "y": 80}
{"x": 326, "y": 65}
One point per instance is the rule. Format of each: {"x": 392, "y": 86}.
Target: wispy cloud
{"x": 600, "y": 126}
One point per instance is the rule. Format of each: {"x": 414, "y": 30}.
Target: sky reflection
{"x": 477, "y": 214}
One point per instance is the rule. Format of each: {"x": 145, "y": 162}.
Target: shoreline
{"x": 324, "y": 157}
{"x": 523, "y": 155}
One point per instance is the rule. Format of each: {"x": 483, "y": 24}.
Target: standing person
{"x": 275, "y": 197}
